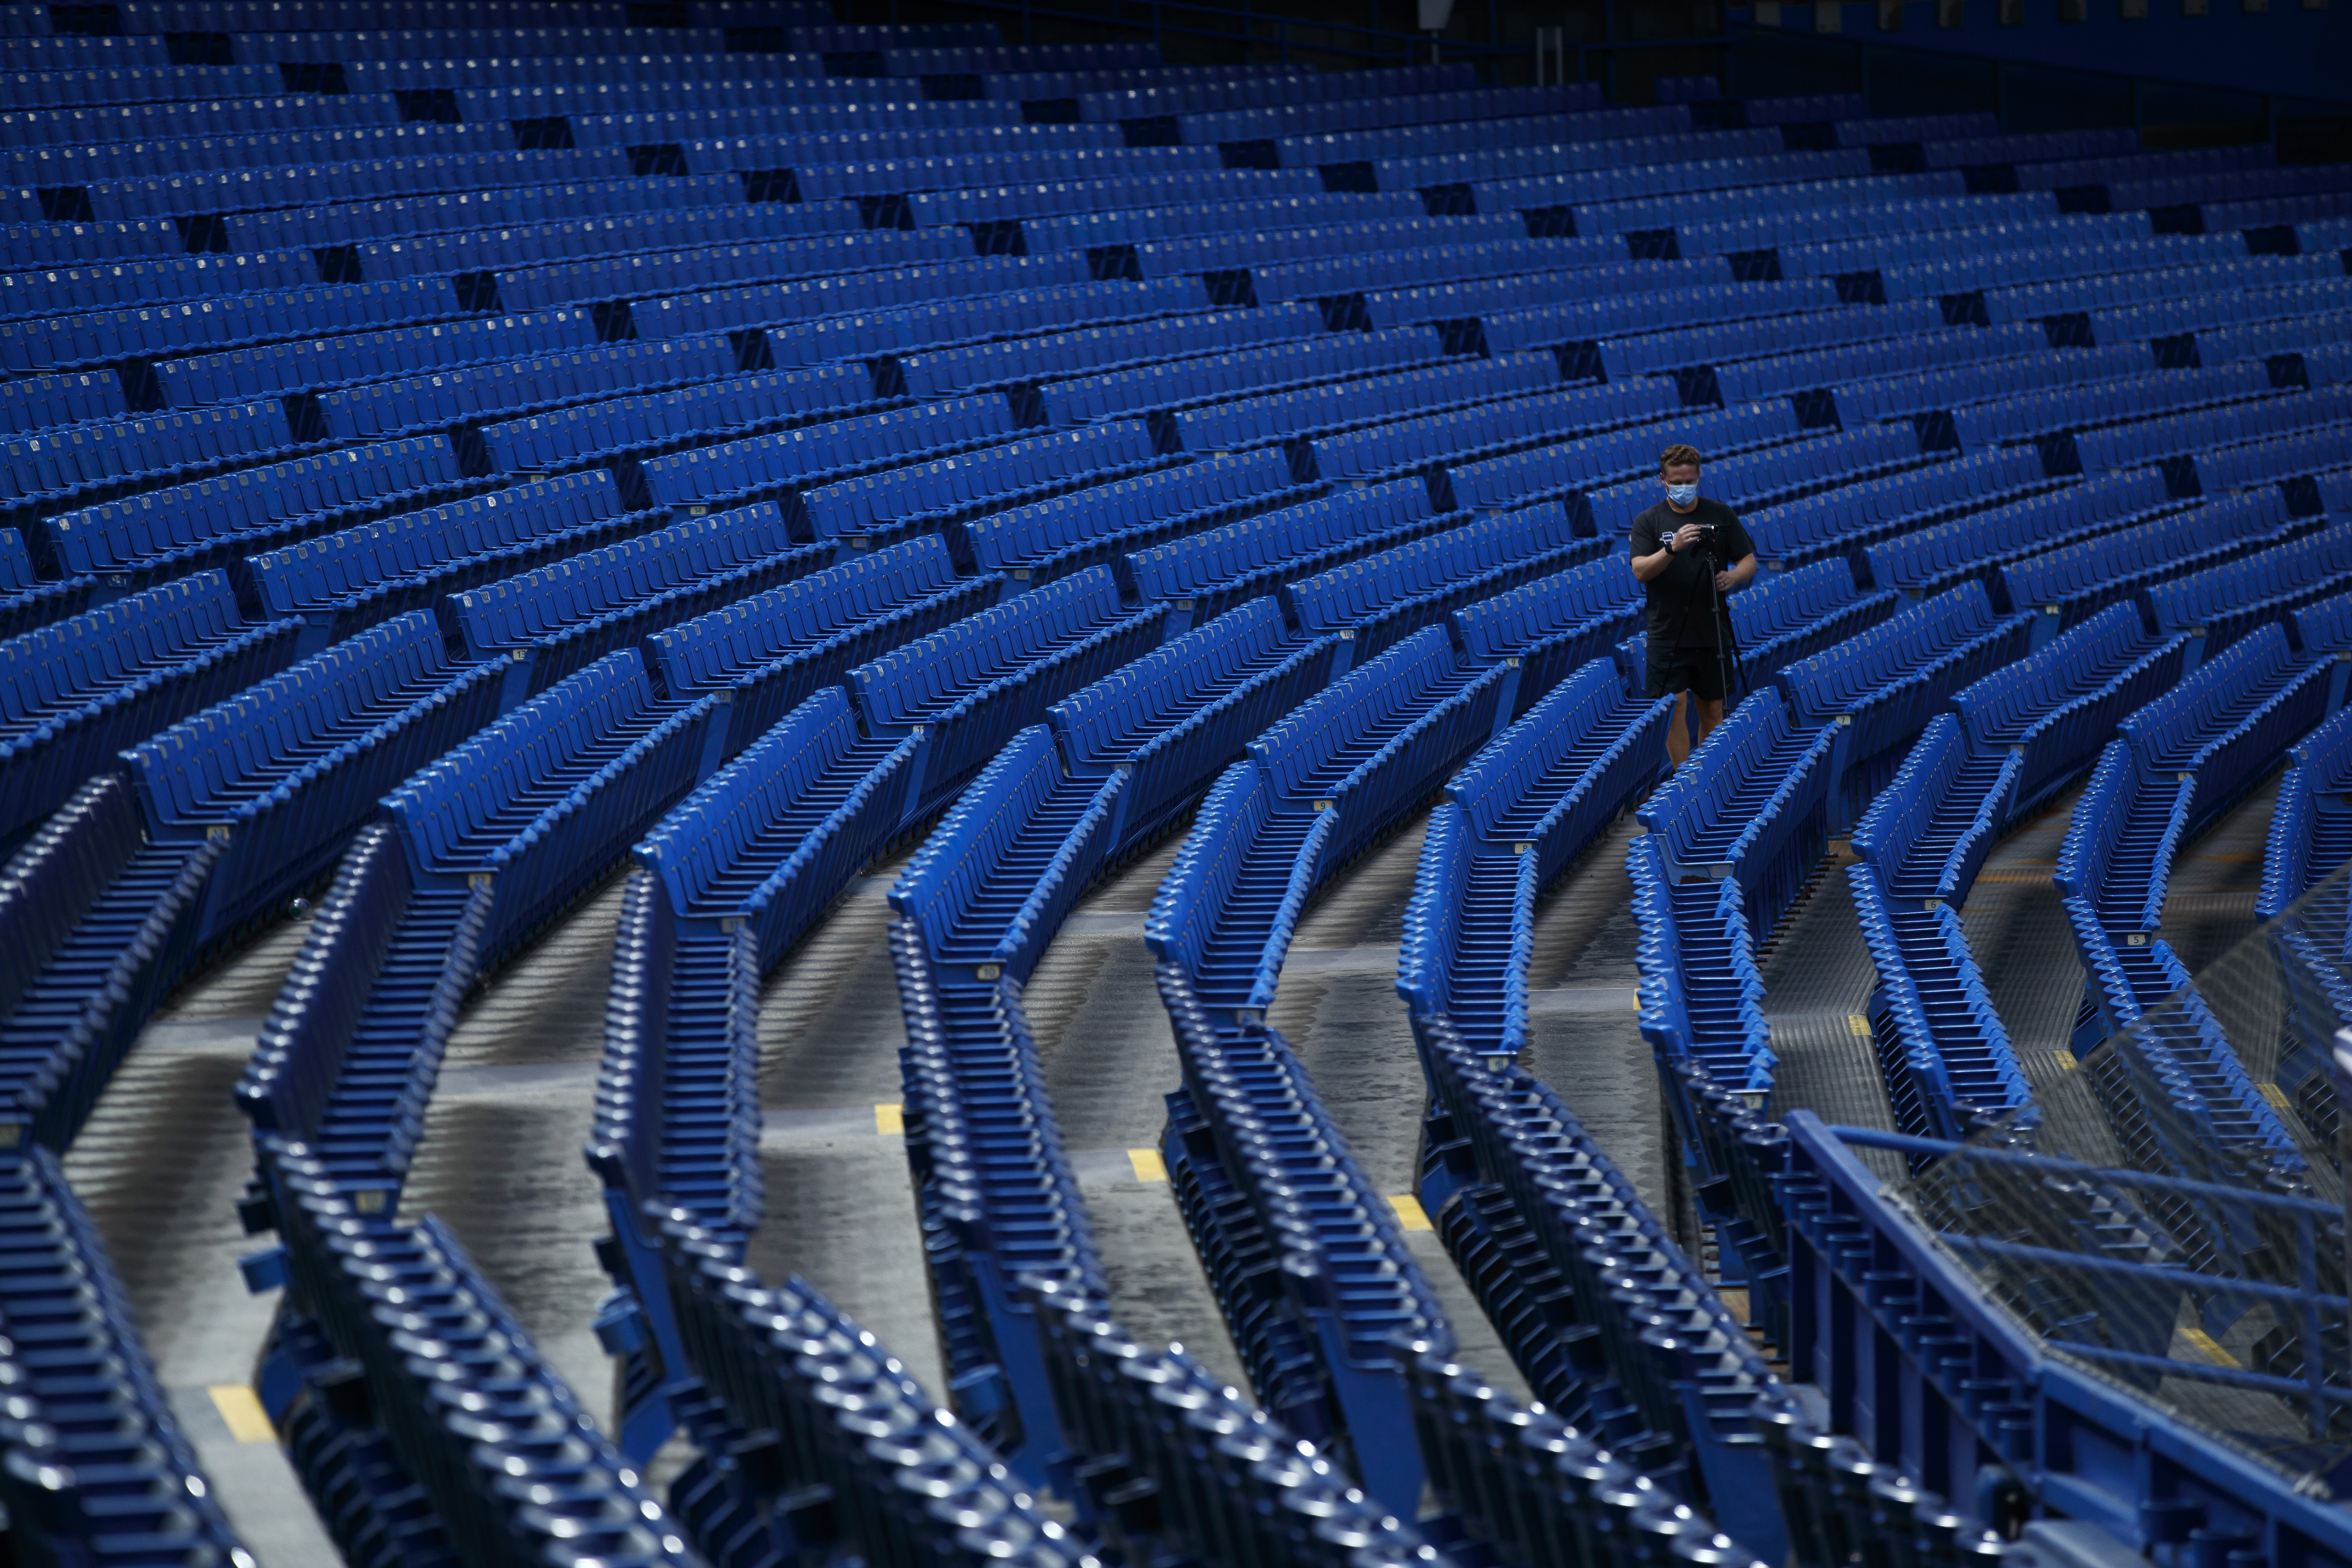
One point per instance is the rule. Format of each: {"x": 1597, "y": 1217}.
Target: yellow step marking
{"x": 241, "y": 1409}
{"x": 1149, "y": 1166}
{"x": 1858, "y": 1025}
{"x": 891, "y": 1119}
{"x": 2275, "y": 1095}
{"x": 2064, "y": 1058}
{"x": 1407, "y": 1209}
{"x": 2204, "y": 1345}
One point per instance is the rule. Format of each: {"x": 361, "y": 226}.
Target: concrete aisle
{"x": 1817, "y": 985}
{"x": 1584, "y": 1025}
{"x": 841, "y": 1210}
{"x": 159, "y": 1167}
{"x": 1337, "y": 1005}
{"x": 500, "y": 1157}
{"x": 2019, "y": 935}
{"x": 1110, "y": 1060}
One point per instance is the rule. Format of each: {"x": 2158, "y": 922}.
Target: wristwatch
{"x": 1670, "y": 544}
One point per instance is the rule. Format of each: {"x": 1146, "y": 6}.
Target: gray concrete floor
{"x": 1111, "y": 1061}
{"x": 159, "y": 1167}
{"x": 1584, "y": 1032}
{"x": 2209, "y": 905}
{"x": 2018, "y": 932}
{"x": 840, "y": 1203}
{"x": 500, "y": 1160}
{"x": 1338, "y": 1006}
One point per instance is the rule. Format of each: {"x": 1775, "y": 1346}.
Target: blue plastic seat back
{"x": 942, "y": 886}
{"x": 526, "y": 748}
{"x": 212, "y": 760}
{"x": 2096, "y": 826}
{"x": 1730, "y": 753}
{"x": 1501, "y": 773}
{"x": 146, "y": 633}
{"x": 50, "y": 883}
{"x": 1184, "y": 567}
{"x": 1903, "y": 810}
{"x": 1191, "y": 897}
{"x": 1407, "y": 677}
{"x": 533, "y": 603}
{"x": 714, "y": 648}
{"x": 2324, "y": 627}
{"x": 1512, "y": 622}
{"x": 704, "y": 836}
{"x": 1156, "y": 690}
{"x": 15, "y": 564}
{"x": 911, "y": 683}
{"x": 2212, "y": 698}
{"x": 1780, "y": 602}
{"x": 1827, "y": 683}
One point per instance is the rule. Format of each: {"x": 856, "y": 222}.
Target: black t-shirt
{"x": 1679, "y": 596}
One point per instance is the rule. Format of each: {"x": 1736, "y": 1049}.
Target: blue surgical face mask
{"x": 1682, "y": 495}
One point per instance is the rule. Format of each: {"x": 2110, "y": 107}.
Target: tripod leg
{"x": 1720, "y": 626}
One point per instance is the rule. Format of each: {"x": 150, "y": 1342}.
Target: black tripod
{"x": 1727, "y": 665}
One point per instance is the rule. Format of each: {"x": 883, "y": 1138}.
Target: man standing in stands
{"x": 1690, "y": 555}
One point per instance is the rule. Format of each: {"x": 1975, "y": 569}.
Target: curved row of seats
{"x": 2009, "y": 741}
{"x": 976, "y": 908}
{"x": 1054, "y": 807}
{"x": 2182, "y": 758}
{"x": 973, "y": 1068}
{"x": 475, "y": 850}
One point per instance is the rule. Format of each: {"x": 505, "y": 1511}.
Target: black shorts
{"x": 1673, "y": 668}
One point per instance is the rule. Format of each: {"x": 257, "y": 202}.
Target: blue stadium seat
{"x": 549, "y": 621}
{"x": 773, "y": 651}
{"x": 75, "y": 693}
{"x": 1519, "y": 812}
{"x": 451, "y": 451}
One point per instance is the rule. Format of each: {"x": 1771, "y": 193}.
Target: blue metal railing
{"x": 2310, "y": 1306}
{"x": 1898, "y": 1320}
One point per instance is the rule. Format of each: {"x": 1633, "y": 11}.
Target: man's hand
{"x": 1686, "y": 536}
{"x": 1725, "y": 582}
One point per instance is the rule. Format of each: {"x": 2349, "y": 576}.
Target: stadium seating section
{"x": 453, "y": 453}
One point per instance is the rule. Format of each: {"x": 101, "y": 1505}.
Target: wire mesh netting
{"x": 2170, "y": 1214}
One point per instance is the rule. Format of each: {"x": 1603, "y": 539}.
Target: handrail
{"x": 1902, "y": 1142}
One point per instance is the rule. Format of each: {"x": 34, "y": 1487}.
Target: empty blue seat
{"x": 950, "y": 489}
{"x": 1044, "y": 539}
{"x": 166, "y": 532}
{"x": 1754, "y": 805}
{"x": 2076, "y": 580}
{"x": 962, "y": 683}
{"x": 2054, "y": 709}
{"x": 773, "y": 650}
{"x": 1381, "y": 598}
{"x": 1971, "y": 548}
{"x": 2253, "y": 591}
{"x": 557, "y": 619}
{"x": 76, "y": 692}
{"x": 1520, "y": 811}
{"x": 759, "y": 840}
